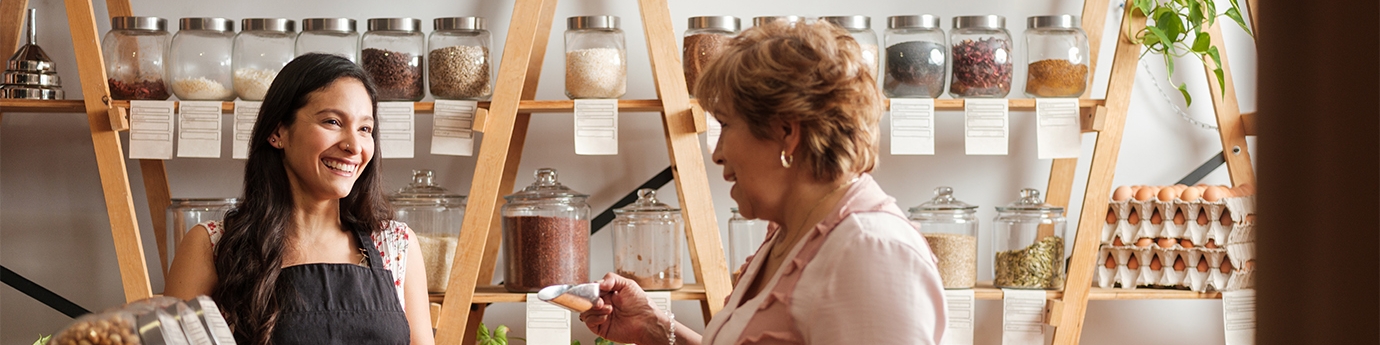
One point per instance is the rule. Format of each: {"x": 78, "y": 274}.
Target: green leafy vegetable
{"x": 42, "y": 339}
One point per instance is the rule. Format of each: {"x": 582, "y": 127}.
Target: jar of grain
{"x": 647, "y": 238}
{"x": 951, "y": 228}
{"x": 392, "y": 56}
{"x": 1057, "y": 50}
{"x": 745, "y": 236}
{"x": 262, "y": 48}
{"x": 199, "y": 59}
{"x": 545, "y": 235}
{"x": 183, "y": 214}
{"x": 981, "y": 52}
{"x": 435, "y": 215}
{"x": 1029, "y": 241}
{"x": 596, "y": 58}
{"x": 916, "y": 57}
{"x": 764, "y": 20}
{"x": 134, "y": 50}
{"x": 330, "y": 36}
{"x": 704, "y": 41}
{"x": 459, "y": 59}
{"x": 860, "y": 28}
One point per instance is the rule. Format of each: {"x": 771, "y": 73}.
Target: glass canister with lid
{"x": 596, "y": 58}
{"x": 435, "y": 215}
{"x": 981, "y": 54}
{"x": 545, "y": 235}
{"x": 392, "y": 55}
{"x": 185, "y": 213}
{"x": 262, "y": 48}
{"x": 134, "y": 50}
{"x": 916, "y": 57}
{"x": 329, "y": 35}
{"x": 199, "y": 59}
{"x": 647, "y": 237}
{"x": 459, "y": 59}
{"x": 1057, "y": 52}
{"x": 951, "y": 228}
{"x": 1029, "y": 242}
{"x": 860, "y": 28}
{"x": 706, "y": 38}
{"x": 745, "y": 236}
{"x": 764, "y": 20}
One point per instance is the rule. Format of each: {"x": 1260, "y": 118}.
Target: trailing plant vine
{"x": 1176, "y": 24}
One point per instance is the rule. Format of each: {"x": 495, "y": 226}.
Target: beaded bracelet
{"x": 672, "y": 325}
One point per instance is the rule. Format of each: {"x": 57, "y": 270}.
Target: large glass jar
{"x": 596, "y": 58}
{"x": 951, "y": 228}
{"x": 647, "y": 238}
{"x": 1057, "y": 52}
{"x": 916, "y": 57}
{"x": 435, "y": 215}
{"x": 981, "y": 54}
{"x": 134, "y": 50}
{"x": 183, "y": 214}
{"x": 764, "y": 20}
{"x": 745, "y": 236}
{"x": 706, "y": 38}
{"x": 329, "y": 35}
{"x": 199, "y": 59}
{"x": 459, "y": 61}
{"x": 392, "y": 55}
{"x": 1029, "y": 241}
{"x": 545, "y": 235}
{"x": 860, "y": 28}
{"x": 262, "y": 48}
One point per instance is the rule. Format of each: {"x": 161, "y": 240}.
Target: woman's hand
{"x": 624, "y": 314}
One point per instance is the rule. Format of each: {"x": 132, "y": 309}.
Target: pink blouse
{"x": 864, "y": 275}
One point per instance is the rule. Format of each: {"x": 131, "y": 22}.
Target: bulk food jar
{"x": 745, "y": 236}
{"x": 134, "y": 50}
{"x": 596, "y": 58}
{"x": 951, "y": 228}
{"x": 1057, "y": 51}
{"x": 704, "y": 41}
{"x": 1029, "y": 241}
{"x": 647, "y": 239}
{"x": 435, "y": 215}
{"x": 981, "y": 51}
{"x": 329, "y": 35}
{"x": 916, "y": 57}
{"x": 199, "y": 59}
{"x": 764, "y": 20}
{"x": 392, "y": 55}
{"x": 545, "y": 235}
{"x": 183, "y": 214}
{"x": 262, "y": 48}
{"x": 860, "y": 28}
{"x": 459, "y": 59}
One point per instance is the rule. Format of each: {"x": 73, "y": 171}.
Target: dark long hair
{"x": 249, "y": 255}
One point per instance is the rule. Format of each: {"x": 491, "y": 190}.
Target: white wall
{"x": 53, "y": 227}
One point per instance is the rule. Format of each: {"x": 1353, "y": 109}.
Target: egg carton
{"x": 1157, "y": 267}
{"x": 1200, "y": 221}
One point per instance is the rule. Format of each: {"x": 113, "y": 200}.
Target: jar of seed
{"x": 916, "y": 57}
{"x": 134, "y": 50}
{"x": 459, "y": 59}
{"x": 951, "y": 228}
{"x": 199, "y": 59}
{"x": 981, "y": 51}
{"x": 1057, "y": 50}
{"x": 435, "y": 216}
{"x": 647, "y": 237}
{"x": 860, "y": 28}
{"x": 545, "y": 235}
{"x": 392, "y": 56}
{"x": 596, "y": 58}
{"x": 330, "y": 36}
{"x": 262, "y": 48}
{"x": 704, "y": 41}
{"x": 1029, "y": 241}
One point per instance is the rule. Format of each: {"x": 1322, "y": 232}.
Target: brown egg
{"x": 1179, "y": 218}
{"x": 1168, "y": 193}
{"x": 1146, "y": 193}
{"x": 1117, "y": 242}
{"x": 1202, "y": 216}
{"x": 1250, "y": 218}
{"x": 1202, "y": 265}
{"x": 1155, "y": 217}
{"x": 1250, "y": 264}
{"x": 1179, "y": 264}
{"x": 1133, "y": 218}
{"x": 1225, "y": 218}
{"x": 1145, "y": 242}
{"x": 1211, "y": 244}
{"x": 1191, "y": 194}
{"x": 1181, "y": 187}
{"x": 1134, "y": 263}
{"x": 1214, "y": 194}
{"x": 1226, "y": 190}
{"x": 1111, "y": 216}
{"x": 1186, "y": 243}
{"x": 1166, "y": 243}
{"x": 1226, "y": 265}
{"x": 1245, "y": 189}
{"x": 1122, "y": 193}
{"x": 1155, "y": 264}
{"x": 1111, "y": 263}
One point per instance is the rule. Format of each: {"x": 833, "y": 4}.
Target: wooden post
{"x": 1229, "y": 126}
{"x": 159, "y": 195}
{"x": 11, "y": 25}
{"x": 1062, "y": 171}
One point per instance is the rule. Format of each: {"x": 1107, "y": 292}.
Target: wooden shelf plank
{"x": 497, "y": 294}
{"x": 985, "y": 291}
{"x": 75, "y": 106}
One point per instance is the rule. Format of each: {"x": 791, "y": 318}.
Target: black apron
{"x": 340, "y": 304}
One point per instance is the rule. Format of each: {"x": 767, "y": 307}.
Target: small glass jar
{"x": 262, "y": 48}
{"x": 459, "y": 59}
{"x": 596, "y": 58}
{"x": 705, "y": 41}
{"x": 183, "y": 214}
{"x": 1057, "y": 53}
{"x": 860, "y": 28}
{"x": 392, "y": 55}
{"x": 647, "y": 239}
{"x": 745, "y": 236}
{"x": 951, "y": 228}
{"x": 134, "y": 50}
{"x": 545, "y": 235}
{"x": 981, "y": 55}
{"x": 1029, "y": 242}
{"x": 435, "y": 215}
{"x": 329, "y": 35}
{"x": 916, "y": 57}
{"x": 764, "y": 20}
{"x": 199, "y": 59}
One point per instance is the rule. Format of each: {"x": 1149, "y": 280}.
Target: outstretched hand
{"x": 624, "y": 314}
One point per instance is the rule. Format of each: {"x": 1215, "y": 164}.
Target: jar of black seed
{"x": 392, "y": 55}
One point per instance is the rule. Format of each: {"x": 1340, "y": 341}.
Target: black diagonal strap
{"x": 40, "y": 293}
{"x": 606, "y": 217}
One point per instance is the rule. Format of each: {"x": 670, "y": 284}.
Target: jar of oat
{"x": 704, "y": 41}
{"x": 392, "y": 56}
{"x": 545, "y": 235}
{"x": 916, "y": 57}
{"x": 1029, "y": 242}
{"x": 596, "y": 58}
{"x": 459, "y": 59}
{"x": 262, "y": 48}
{"x": 330, "y": 36}
{"x": 134, "y": 50}
{"x": 860, "y": 28}
{"x": 980, "y": 51}
{"x": 199, "y": 59}
{"x": 951, "y": 228}
{"x": 1057, "y": 50}
{"x": 435, "y": 215}
{"x": 647, "y": 237}
{"x": 745, "y": 236}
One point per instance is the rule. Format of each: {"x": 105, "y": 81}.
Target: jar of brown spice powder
{"x": 704, "y": 41}
{"x": 392, "y": 55}
{"x": 545, "y": 235}
{"x": 1058, "y": 54}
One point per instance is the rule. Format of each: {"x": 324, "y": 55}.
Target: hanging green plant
{"x": 1176, "y": 22}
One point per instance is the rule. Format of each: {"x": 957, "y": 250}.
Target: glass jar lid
{"x": 764, "y": 20}
{"x": 545, "y": 187}
{"x": 268, "y": 24}
{"x": 1030, "y": 201}
{"x": 646, "y": 203}
{"x": 345, "y": 25}
{"x": 923, "y": 21}
{"x": 990, "y": 21}
{"x": 459, "y": 23}
{"x": 944, "y": 201}
{"x": 592, "y": 22}
{"x": 207, "y": 24}
{"x": 1063, "y": 21}
{"x": 423, "y": 191}
{"x": 725, "y": 23}
{"x": 850, "y": 22}
{"x": 202, "y": 202}
{"x": 139, "y": 23}
{"x": 395, "y": 24}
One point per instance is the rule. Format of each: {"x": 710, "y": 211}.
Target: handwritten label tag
{"x": 986, "y": 126}
{"x": 712, "y": 129}
{"x": 547, "y": 324}
{"x": 191, "y": 324}
{"x": 452, "y": 131}
{"x": 1057, "y": 129}
{"x": 596, "y": 127}
{"x": 1023, "y": 317}
{"x": 198, "y": 129}
{"x": 246, "y": 112}
{"x": 961, "y": 304}
{"x": 912, "y": 126}
{"x": 396, "y": 129}
{"x": 1238, "y": 316}
{"x": 151, "y": 129}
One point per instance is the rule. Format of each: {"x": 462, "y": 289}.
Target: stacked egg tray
{"x": 1177, "y": 244}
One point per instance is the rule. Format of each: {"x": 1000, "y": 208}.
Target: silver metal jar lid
{"x": 32, "y": 79}
{"x": 990, "y": 21}
{"x": 395, "y": 24}
{"x": 764, "y": 20}
{"x": 1062, "y": 21}
{"x": 328, "y": 24}
{"x": 459, "y": 23}
{"x": 268, "y": 24}
{"x": 139, "y": 23}
{"x": 207, "y": 24}
{"x": 923, "y": 21}
{"x": 592, "y": 22}
{"x": 30, "y": 92}
{"x": 850, "y": 22}
{"x": 726, "y": 23}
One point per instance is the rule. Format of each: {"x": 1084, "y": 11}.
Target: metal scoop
{"x": 576, "y": 298}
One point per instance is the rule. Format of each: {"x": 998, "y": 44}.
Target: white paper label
{"x": 986, "y": 126}
{"x": 246, "y": 112}
{"x": 1238, "y": 316}
{"x": 396, "y": 129}
{"x": 151, "y": 129}
{"x": 1023, "y": 317}
{"x": 596, "y": 126}
{"x": 662, "y": 299}
{"x": 452, "y": 131}
{"x": 1059, "y": 133}
{"x": 712, "y": 129}
{"x": 960, "y": 305}
{"x": 196, "y": 333}
{"x": 172, "y": 331}
{"x": 912, "y": 126}
{"x": 198, "y": 129}
{"x": 214, "y": 321}
{"x": 547, "y": 324}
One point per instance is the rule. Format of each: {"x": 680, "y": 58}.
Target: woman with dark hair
{"x": 311, "y": 254}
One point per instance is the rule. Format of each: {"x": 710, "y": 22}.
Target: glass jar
{"x": 459, "y": 59}
{"x": 916, "y": 57}
{"x": 596, "y": 58}
{"x": 647, "y": 239}
{"x": 1057, "y": 53}
{"x": 545, "y": 235}
{"x": 435, "y": 215}
{"x": 951, "y": 228}
{"x": 329, "y": 35}
{"x": 764, "y": 20}
{"x": 745, "y": 236}
{"x": 134, "y": 50}
{"x": 860, "y": 28}
{"x": 262, "y": 48}
{"x": 705, "y": 41}
{"x": 981, "y": 53}
{"x": 183, "y": 214}
{"x": 1029, "y": 241}
{"x": 392, "y": 56}
{"x": 199, "y": 59}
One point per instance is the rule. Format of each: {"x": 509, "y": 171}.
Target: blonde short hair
{"x": 813, "y": 74}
